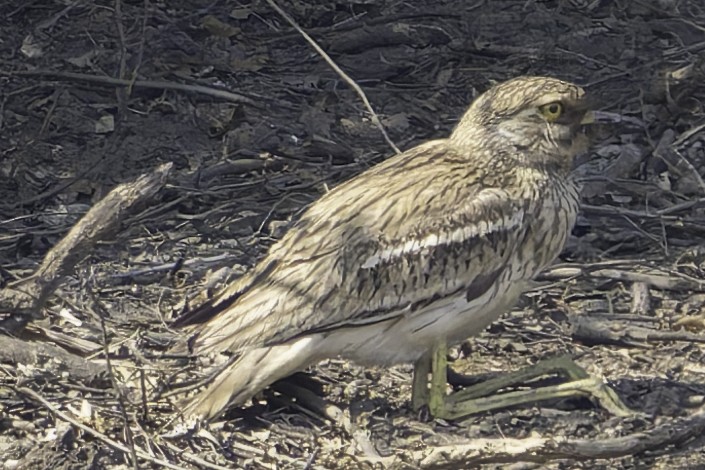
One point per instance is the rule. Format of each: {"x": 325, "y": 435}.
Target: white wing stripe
{"x": 459, "y": 235}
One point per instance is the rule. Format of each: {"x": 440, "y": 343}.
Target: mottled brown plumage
{"x": 434, "y": 243}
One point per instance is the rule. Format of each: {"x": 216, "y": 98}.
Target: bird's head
{"x": 540, "y": 116}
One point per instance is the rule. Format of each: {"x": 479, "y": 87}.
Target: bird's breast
{"x": 407, "y": 337}
{"x": 548, "y": 231}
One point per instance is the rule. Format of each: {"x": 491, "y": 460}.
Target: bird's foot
{"x": 485, "y": 397}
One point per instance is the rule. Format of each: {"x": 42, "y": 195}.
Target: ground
{"x": 257, "y": 125}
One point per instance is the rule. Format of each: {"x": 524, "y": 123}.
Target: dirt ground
{"x": 257, "y": 125}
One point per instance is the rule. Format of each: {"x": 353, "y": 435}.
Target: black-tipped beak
{"x": 605, "y": 116}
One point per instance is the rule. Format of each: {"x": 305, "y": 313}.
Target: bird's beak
{"x": 588, "y": 118}
{"x": 592, "y": 117}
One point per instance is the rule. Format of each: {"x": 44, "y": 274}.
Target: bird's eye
{"x": 551, "y": 111}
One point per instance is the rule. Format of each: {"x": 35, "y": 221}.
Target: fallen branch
{"x": 483, "y": 451}
{"x": 23, "y": 300}
{"x": 53, "y": 360}
{"x": 622, "y": 332}
{"x": 617, "y": 270}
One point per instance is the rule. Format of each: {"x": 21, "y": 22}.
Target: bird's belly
{"x": 406, "y": 337}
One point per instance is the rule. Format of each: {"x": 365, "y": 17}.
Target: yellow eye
{"x": 551, "y": 111}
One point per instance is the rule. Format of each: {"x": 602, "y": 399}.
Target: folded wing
{"x": 376, "y": 247}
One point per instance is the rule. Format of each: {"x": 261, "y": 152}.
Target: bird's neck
{"x": 504, "y": 144}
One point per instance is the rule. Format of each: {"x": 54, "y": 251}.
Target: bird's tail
{"x": 250, "y": 372}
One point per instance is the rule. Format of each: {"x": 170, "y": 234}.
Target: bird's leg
{"x": 419, "y": 387}
{"x": 434, "y": 396}
{"x": 437, "y": 399}
{"x": 484, "y": 397}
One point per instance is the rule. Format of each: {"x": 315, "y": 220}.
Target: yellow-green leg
{"x": 484, "y": 396}
{"x": 419, "y": 386}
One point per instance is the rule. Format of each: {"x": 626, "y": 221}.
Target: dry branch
{"x": 594, "y": 330}
{"x": 54, "y": 360}
{"x": 625, "y": 271}
{"x": 482, "y": 451}
{"x": 23, "y": 300}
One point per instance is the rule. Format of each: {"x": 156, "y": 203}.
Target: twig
{"x": 195, "y": 459}
{"x": 687, "y": 135}
{"x": 355, "y": 23}
{"x": 140, "y": 50}
{"x": 161, "y": 269}
{"x": 620, "y": 331}
{"x": 204, "y": 90}
{"x": 113, "y": 380}
{"x": 469, "y": 454}
{"x": 641, "y": 298}
{"x": 101, "y": 437}
{"x": 122, "y": 93}
{"x": 659, "y": 279}
{"x": 48, "y": 24}
{"x": 339, "y": 71}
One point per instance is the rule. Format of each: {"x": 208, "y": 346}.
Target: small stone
{"x": 695, "y": 400}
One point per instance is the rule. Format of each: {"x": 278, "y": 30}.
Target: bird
{"x": 426, "y": 248}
